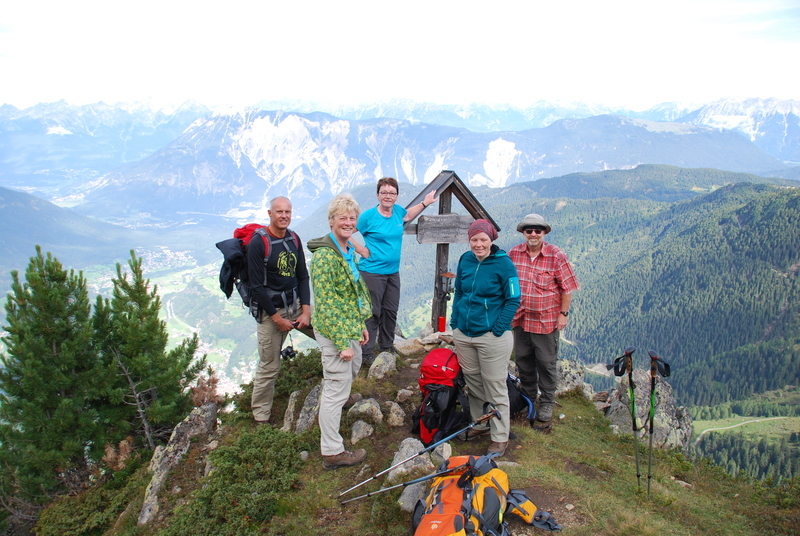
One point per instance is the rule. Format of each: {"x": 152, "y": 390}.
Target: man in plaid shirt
{"x": 546, "y": 284}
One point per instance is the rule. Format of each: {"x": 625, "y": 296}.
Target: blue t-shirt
{"x": 384, "y": 238}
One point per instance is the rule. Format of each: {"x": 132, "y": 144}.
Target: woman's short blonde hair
{"x": 342, "y": 204}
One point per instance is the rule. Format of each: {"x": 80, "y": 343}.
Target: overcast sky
{"x": 632, "y": 54}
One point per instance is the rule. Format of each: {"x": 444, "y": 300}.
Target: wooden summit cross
{"x": 444, "y": 229}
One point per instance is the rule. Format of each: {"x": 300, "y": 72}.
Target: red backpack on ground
{"x": 444, "y": 408}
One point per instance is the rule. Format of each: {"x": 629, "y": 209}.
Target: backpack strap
{"x": 545, "y": 520}
{"x": 520, "y": 505}
{"x": 265, "y": 238}
{"x": 268, "y": 240}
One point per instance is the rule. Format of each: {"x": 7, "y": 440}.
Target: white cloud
{"x": 59, "y": 131}
{"x": 622, "y": 52}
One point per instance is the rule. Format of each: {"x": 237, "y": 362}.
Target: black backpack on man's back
{"x": 233, "y": 272}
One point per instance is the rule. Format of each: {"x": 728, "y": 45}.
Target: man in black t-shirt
{"x": 280, "y": 286}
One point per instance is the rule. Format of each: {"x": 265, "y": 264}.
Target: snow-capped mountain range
{"x": 140, "y": 167}
{"x": 772, "y": 125}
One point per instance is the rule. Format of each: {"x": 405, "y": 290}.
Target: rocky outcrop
{"x": 414, "y": 492}
{"x": 360, "y": 430}
{"x": 310, "y": 410}
{"x": 367, "y": 409}
{"x": 672, "y": 425}
{"x": 288, "y": 415}
{"x": 404, "y": 395}
{"x": 409, "y": 347}
{"x": 385, "y": 364}
{"x": 571, "y": 375}
{"x": 200, "y": 422}
{"x": 420, "y": 464}
{"x": 395, "y": 416}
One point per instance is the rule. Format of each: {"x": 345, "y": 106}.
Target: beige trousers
{"x": 484, "y": 361}
{"x": 270, "y": 342}
{"x": 337, "y": 379}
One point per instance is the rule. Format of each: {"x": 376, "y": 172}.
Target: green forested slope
{"x": 714, "y": 287}
{"x": 648, "y": 181}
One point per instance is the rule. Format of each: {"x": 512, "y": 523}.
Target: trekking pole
{"x": 657, "y": 366}
{"x": 483, "y": 418}
{"x": 404, "y": 484}
{"x": 623, "y": 364}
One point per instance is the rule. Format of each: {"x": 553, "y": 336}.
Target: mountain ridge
{"x": 226, "y": 164}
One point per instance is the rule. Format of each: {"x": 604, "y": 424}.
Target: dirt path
{"x": 696, "y": 441}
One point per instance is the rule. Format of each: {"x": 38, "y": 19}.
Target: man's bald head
{"x": 280, "y": 215}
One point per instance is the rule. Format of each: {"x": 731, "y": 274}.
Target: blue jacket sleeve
{"x": 457, "y": 295}
{"x": 510, "y": 281}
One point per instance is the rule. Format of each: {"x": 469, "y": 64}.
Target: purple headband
{"x": 482, "y": 226}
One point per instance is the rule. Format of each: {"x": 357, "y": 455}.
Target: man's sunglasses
{"x": 531, "y": 230}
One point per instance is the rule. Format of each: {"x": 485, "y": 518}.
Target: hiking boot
{"x": 545, "y": 412}
{"x": 344, "y": 459}
{"x": 261, "y": 422}
{"x": 474, "y": 433}
{"x": 497, "y": 447}
{"x": 542, "y": 427}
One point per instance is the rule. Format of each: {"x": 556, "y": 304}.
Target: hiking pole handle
{"x": 627, "y": 356}
{"x": 486, "y": 417}
{"x": 621, "y": 363}
{"x": 658, "y": 365}
{"x": 653, "y": 365}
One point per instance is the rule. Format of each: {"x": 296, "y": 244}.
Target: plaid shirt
{"x": 542, "y": 282}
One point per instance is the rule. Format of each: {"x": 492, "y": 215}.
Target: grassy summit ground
{"x": 581, "y": 472}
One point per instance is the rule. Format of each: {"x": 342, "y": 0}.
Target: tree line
{"x": 762, "y": 459}
{"x": 745, "y": 408}
{"x": 77, "y": 380}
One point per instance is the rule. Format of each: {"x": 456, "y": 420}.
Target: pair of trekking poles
{"x": 491, "y": 412}
{"x": 658, "y": 366}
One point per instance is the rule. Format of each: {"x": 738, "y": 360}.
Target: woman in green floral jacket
{"x": 341, "y": 307}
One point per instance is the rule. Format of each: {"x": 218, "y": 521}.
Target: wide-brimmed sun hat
{"x": 533, "y": 220}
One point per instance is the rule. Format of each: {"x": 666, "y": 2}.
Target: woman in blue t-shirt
{"x": 382, "y": 229}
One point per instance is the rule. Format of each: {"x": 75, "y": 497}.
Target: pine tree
{"x": 49, "y": 382}
{"x": 150, "y": 390}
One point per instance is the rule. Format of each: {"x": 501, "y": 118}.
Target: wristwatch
{"x": 565, "y": 313}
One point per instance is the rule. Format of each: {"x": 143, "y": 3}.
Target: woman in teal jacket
{"x": 485, "y": 299}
